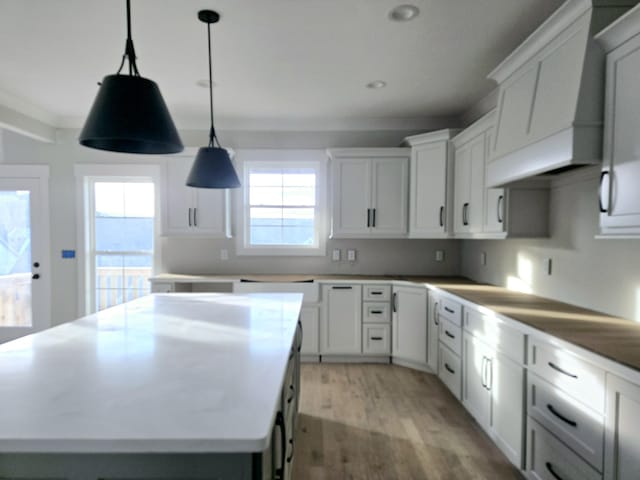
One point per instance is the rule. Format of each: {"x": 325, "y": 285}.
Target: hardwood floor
{"x": 383, "y": 422}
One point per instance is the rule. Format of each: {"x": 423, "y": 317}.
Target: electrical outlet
{"x": 335, "y": 255}
{"x": 547, "y": 266}
{"x": 439, "y": 255}
{"x": 224, "y": 254}
{"x": 351, "y": 255}
{"x": 483, "y": 258}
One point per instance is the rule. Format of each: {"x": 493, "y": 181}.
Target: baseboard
{"x": 354, "y": 359}
{"x": 310, "y": 358}
{"x": 414, "y": 365}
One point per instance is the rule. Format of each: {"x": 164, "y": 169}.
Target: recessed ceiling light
{"x": 204, "y": 83}
{"x": 404, "y": 13}
{"x": 377, "y": 84}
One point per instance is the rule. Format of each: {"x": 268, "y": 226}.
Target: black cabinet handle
{"x": 376, "y": 312}
{"x": 368, "y": 217}
{"x": 190, "y": 216}
{"x": 602, "y": 209}
{"x": 375, "y": 293}
{"x": 195, "y": 217}
{"x": 279, "y": 472}
{"x": 301, "y": 336}
{"x": 341, "y": 287}
{"x": 35, "y": 276}
{"x": 552, "y": 472}
{"x": 373, "y": 220}
{"x": 290, "y": 457}
{"x": 36, "y": 264}
{"x": 560, "y": 416}
{"x": 449, "y": 369}
{"x": 564, "y": 372}
{"x": 442, "y": 216}
{"x": 447, "y": 309}
{"x": 483, "y": 372}
{"x": 376, "y": 338}
{"x": 293, "y": 393}
{"x": 435, "y": 314}
{"x": 395, "y": 302}
{"x": 449, "y": 334}
{"x": 499, "y": 208}
{"x": 465, "y": 210}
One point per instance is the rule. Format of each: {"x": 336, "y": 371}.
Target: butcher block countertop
{"x": 615, "y": 338}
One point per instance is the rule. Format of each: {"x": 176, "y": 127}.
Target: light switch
{"x": 483, "y": 258}
{"x": 351, "y": 255}
{"x": 335, "y": 255}
{"x": 439, "y": 255}
{"x": 224, "y": 254}
{"x": 546, "y": 266}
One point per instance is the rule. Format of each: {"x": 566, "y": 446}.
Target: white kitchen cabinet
{"x": 470, "y": 150}
{"x": 309, "y": 318}
{"x": 622, "y": 449}
{"x": 475, "y": 394}
{"x": 341, "y": 325}
{"x": 433, "y": 319}
{"x": 409, "y": 325}
{"x": 431, "y": 184}
{"x": 369, "y": 192}
{"x": 189, "y": 211}
{"x": 619, "y": 192}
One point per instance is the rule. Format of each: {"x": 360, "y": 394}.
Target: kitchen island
{"x": 181, "y": 386}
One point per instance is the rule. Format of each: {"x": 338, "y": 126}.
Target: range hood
{"x": 551, "y": 95}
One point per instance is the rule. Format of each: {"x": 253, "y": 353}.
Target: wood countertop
{"x": 614, "y": 338}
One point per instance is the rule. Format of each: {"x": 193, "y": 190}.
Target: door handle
{"x": 301, "y": 336}
{"x": 483, "y": 372}
{"x": 560, "y": 416}
{"x": 376, "y": 338}
{"x": 279, "y": 472}
{"x": 442, "y": 216}
{"x": 449, "y": 334}
{"x": 552, "y": 471}
{"x": 373, "y": 219}
{"x": 395, "y": 302}
{"x": 195, "y": 217}
{"x": 449, "y": 369}
{"x": 447, "y": 309}
{"x": 35, "y": 276}
{"x": 341, "y": 287}
{"x": 561, "y": 370}
{"x": 465, "y": 211}
{"x": 190, "y": 217}
{"x": 602, "y": 209}
{"x": 499, "y": 208}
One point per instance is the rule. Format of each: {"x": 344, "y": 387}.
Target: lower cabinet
{"x": 341, "y": 326}
{"x": 432, "y": 331}
{"x": 310, "y": 321}
{"x": 409, "y": 325}
{"x": 376, "y": 339}
{"x": 450, "y": 369}
{"x": 622, "y": 449}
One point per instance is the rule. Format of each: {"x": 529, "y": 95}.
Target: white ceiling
{"x": 275, "y": 61}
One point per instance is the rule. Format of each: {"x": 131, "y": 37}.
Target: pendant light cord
{"x": 212, "y": 132}
{"x": 129, "y": 51}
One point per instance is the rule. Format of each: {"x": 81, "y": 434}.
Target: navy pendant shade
{"x": 129, "y": 115}
{"x": 212, "y": 168}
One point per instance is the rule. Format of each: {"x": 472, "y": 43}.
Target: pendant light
{"x": 129, "y": 114}
{"x": 212, "y": 167}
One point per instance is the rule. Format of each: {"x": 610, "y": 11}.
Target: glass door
{"x": 24, "y": 305}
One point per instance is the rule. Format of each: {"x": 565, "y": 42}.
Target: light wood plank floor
{"x": 383, "y": 422}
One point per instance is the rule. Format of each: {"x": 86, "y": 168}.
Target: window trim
{"x": 86, "y": 175}
{"x": 315, "y": 159}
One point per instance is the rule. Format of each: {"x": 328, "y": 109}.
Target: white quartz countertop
{"x": 183, "y": 373}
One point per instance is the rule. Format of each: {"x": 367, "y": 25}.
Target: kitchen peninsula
{"x": 167, "y": 386}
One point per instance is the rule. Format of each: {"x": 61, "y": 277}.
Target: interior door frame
{"x": 40, "y": 211}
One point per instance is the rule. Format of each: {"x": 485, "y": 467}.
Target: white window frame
{"x": 86, "y": 176}
{"x": 315, "y": 159}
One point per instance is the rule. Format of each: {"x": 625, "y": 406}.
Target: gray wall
{"x": 596, "y": 273}
{"x": 181, "y": 255}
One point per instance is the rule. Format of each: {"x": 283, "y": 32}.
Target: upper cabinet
{"x": 431, "y": 185}
{"x": 550, "y": 104}
{"x": 370, "y": 193}
{"x": 619, "y": 192}
{"x": 188, "y": 211}
{"x": 521, "y": 210}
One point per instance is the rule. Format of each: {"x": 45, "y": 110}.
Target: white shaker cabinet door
{"x": 622, "y": 449}
{"x": 461, "y": 190}
{"x": 351, "y": 184}
{"x": 341, "y": 331}
{"x": 210, "y": 209}
{"x": 428, "y": 190}
{"x": 178, "y": 200}
{"x": 390, "y": 196}
{"x": 475, "y": 378}
{"x": 409, "y": 324}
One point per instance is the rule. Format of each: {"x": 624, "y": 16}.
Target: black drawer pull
{"x": 560, "y": 416}
{"x": 279, "y": 472}
{"x": 441, "y": 216}
{"x": 290, "y": 457}
{"x": 552, "y": 472}
{"x": 342, "y": 287}
{"x": 293, "y": 394}
{"x": 376, "y": 338}
{"x": 449, "y": 334}
{"x": 449, "y": 369}
{"x": 376, "y": 312}
{"x": 602, "y": 209}
{"x": 447, "y": 309}
{"x": 564, "y": 372}
{"x": 375, "y": 293}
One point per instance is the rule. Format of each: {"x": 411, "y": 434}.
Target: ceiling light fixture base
{"x": 208, "y": 16}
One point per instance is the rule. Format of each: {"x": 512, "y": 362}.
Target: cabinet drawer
{"x": 576, "y": 425}
{"x": 451, "y": 310}
{"x": 376, "y": 339}
{"x": 495, "y": 333}
{"x": 376, "y": 312}
{"x": 451, "y": 336}
{"x": 549, "y": 459}
{"x": 450, "y": 370}
{"x": 580, "y": 379}
{"x": 376, "y": 293}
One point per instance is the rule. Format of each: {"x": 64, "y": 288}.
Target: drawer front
{"x": 450, "y": 370}
{"x": 373, "y": 312}
{"x": 576, "y": 425}
{"x": 496, "y": 334}
{"x": 451, "y": 336}
{"x": 376, "y": 339}
{"x": 580, "y": 379}
{"x": 549, "y": 459}
{"x": 377, "y": 293}
{"x": 451, "y": 310}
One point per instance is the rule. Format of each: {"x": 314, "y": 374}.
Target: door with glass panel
{"x": 24, "y": 302}
{"x": 121, "y": 240}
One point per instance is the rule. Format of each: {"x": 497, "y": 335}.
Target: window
{"x": 282, "y": 212}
